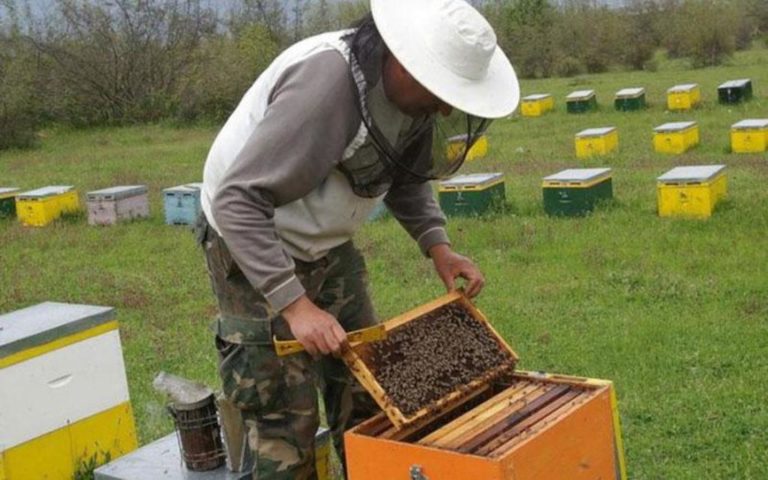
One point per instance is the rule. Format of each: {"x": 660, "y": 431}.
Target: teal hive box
{"x": 182, "y": 204}
{"x": 472, "y": 194}
{"x": 8, "y": 202}
{"x": 576, "y": 191}
{"x": 735, "y": 91}
{"x": 581, "y": 101}
{"x": 630, "y": 99}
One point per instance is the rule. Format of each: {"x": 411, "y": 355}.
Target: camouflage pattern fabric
{"x": 278, "y": 396}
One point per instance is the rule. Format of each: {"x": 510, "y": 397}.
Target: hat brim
{"x": 494, "y": 96}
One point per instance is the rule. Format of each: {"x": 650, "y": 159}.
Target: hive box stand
{"x": 38, "y": 208}
{"x": 112, "y": 205}
{"x": 750, "y": 136}
{"x": 495, "y": 428}
{"x": 161, "y": 460}
{"x": 8, "y": 202}
{"x": 596, "y": 141}
{"x": 683, "y": 97}
{"x": 576, "y": 191}
{"x": 472, "y": 194}
{"x": 630, "y": 99}
{"x": 691, "y": 191}
{"x": 735, "y": 91}
{"x": 675, "y": 137}
{"x": 64, "y": 401}
{"x": 581, "y": 101}
{"x": 537, "y": 104}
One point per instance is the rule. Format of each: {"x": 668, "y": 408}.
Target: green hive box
{"x": 629, "y": 99}
{"x": 472, "y": 194}
{"x": 581, "y": 101}
{"x": 576, "y": 191}
{"x": 735, "y": 91}
{"x": 8, "y": 202}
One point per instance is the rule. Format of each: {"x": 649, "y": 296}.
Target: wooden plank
{"x": 513, "y": 419}
{"x": 413, "y": 429}
{"x": 478, "y": 415}
{"x": 510, "y": 437}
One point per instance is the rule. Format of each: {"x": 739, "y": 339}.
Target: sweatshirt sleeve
{"x": 310, "y": 120}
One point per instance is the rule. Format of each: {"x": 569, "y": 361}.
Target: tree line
{"x": 115, "y": 62}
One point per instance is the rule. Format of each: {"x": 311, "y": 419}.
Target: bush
{"x": 18, "y": 100}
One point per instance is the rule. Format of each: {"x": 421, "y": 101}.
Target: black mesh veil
{"x": 448, "y": 137}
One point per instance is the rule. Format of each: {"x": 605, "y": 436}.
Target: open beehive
{"x": 454, "y": 408}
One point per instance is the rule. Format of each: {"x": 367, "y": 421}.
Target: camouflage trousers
{"x": 278, "y": 396}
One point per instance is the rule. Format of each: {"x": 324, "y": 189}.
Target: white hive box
{"x": 112, "y": 205}
{"x": 64, "y": 399}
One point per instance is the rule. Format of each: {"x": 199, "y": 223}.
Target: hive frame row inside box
{"x": 511, "y": 425}
{"x": 60, "y": 410}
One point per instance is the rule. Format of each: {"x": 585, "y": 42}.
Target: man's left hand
{"x": 450, "y": 266}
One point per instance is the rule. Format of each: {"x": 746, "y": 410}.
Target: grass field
{"x": 674, "y": 311}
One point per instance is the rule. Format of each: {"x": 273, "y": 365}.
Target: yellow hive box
{"x": 750, "y": 136}
{"x": 683, "y": 97}
{"x": 457, "y": 144}
{"x": 691, "y": 191}
{"x": 65, "y": 399}
{"x": 537, "y": 104}
{"x": 596, "y": 141}
{"x": 38, "y": 208}
{"x": 675, "y": 137}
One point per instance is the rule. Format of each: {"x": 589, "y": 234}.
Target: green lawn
{"x": 674, "y": 311}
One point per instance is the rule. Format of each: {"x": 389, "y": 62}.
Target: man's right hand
{"x": 316, "y": 329}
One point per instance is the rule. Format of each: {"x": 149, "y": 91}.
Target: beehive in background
{"x": 691, "y": 191}
{"x": 111, "y": 205}
{"x": 576, "y": 191}
{"x": 581, "y": 101}
{"x": 493, "y": 424}
{"x": 457, "y": 145}
{"x": 8, "y": 202}
{"x": 596, "y": 141}
{"x": 629, "y": 99}
{"x": 676, "y": 137}
{"x": 537, "y": 104}
{"x": 182, "y": 204}
{"x": 684, "y": 96}
{"x": 735, "y": 91}
{"x": 162, "y": 459}
{"x": 472, "y": 194}
{"x": 40, "y": 207}
{"x": 750, "y": 136}
{"x": 64, "y": 401}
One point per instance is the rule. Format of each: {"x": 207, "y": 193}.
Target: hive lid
{"x": 472, "y": 179}
{"x": 756, "y": 123}
{"x": 674, "y": 126}
{"x": 46, "y": 191}
{"x": 181, "y": 189}
{"x": 595, "y": 132}
{"x": 578, "y": 175}
{"x": 580, "y": 95}
{"x": 630, "y": 92}
{"x": 536, "y": 96}
{"x": 742, "y": 82}
{"x": 433, "y": 356}
{"x": 6, "y": 192}
{"x": 117, "y": 193}
{"x": 694, "y": 173}
{"x": 684, "y": 87}
{"x": 45, "y": 322}
{"x": 197, "y": 185}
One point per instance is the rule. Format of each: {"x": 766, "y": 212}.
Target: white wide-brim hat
{"x": 450, "y": 49}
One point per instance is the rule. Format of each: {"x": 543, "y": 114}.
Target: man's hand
{"x": 316, "y": 329}
{"x": 450, "y": 266}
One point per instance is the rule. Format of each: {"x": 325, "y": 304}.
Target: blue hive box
{"x": 182, "y": 204}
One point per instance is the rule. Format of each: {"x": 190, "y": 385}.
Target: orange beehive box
{"x": 502, "y": 425}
